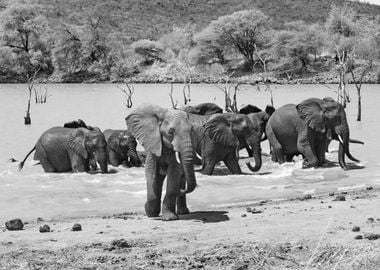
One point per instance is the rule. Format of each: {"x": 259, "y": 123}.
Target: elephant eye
{"x": 171, "y": 131}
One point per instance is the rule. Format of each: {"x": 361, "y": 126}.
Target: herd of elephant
{"x": 176, "y": 140}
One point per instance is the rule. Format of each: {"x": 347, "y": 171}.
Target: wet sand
{"x": 299, "y": 233}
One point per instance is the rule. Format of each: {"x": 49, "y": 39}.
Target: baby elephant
{"x": 121, "y": 148}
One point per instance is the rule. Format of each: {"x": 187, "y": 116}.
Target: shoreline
{"x": 313, "y": 232}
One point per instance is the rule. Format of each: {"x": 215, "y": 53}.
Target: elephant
{"x": 304, "y": 128}
{"x": 203, "y": 109}
{"x": 62, "y": 149}
{"x": 121, "y": 147}
{"x": 247, "y": 109}
{"x": 166, "y": 136}
{"x": 219, "y": 138}
{"x": 76, "y": 124}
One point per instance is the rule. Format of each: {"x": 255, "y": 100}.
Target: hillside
{"x": 151, "y": 18}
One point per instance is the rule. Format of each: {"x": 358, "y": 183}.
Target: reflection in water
{"x": 32, "y": 193}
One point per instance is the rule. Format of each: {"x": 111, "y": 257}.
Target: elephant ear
{"x": 144, "y": 124}
{"x": 76, "y": 142}
{"x": 311, "y": 111}
{"x": 219, "y": 129}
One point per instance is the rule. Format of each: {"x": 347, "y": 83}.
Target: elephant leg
{"x": 47, "y": 166}
{"x": 182, "y": 208}
{"x": 304, "y": 147}
{"x": 78, "y": 164}
{"x": 320, "y": 149}
{"x": 208, "y": 166}
{"x": 275, "y": 146}
{"x": 232, "y": 163}
{"x": 173, "y": 183}
{"x": 154, "y": 181}
{"x": 289, "y": 157}
{"x": 113, "y": 158}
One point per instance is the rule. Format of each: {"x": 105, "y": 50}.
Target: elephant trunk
{"x": 186, "y": 158}
{"x": 343, "y": 137}
{"x": 257, "y": 156}
{"x": 135, "y": 160}
{"x": 102, "y": 159}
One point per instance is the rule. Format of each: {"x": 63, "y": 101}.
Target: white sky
{"x": 376, "y": 2}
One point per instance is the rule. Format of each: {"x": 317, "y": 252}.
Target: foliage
{"x": 242, "y": 31}
{"x": 149, "y": 50}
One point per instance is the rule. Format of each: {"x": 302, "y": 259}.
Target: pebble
{"x": 329, "y": 206}
{"x": 372, "y": 236}
{"x": 369, "y": 188}
{"x": 120, "y": 243}
{"x": 243, "y": 215}
{"x": 358, "y": 237}
{"x": 76, "y": 227}
{"x": 370, "y": 220}
{"x": 331, "y": 194}
{"x": 14, "y": 224}
{"x": 44, "y": 229}
{"x": 356, "y": 229}
{"x": 340, "y": 198}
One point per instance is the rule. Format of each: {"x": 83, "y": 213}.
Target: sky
{"x": 376, "y": 2}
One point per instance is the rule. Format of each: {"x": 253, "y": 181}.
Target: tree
{"x": 149, "y": 50}
{"x": 21, "y": 27}
{"x": 341, "y": 26}
{"x": 242, "y": 31}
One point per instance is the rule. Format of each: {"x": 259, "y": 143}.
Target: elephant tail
{"x": 21, "y": 165}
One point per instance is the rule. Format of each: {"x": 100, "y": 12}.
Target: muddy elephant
{"x": 62, "y": 149}
{"x": 121, "y": 148}
{"x": 221, "y": 136}
{"x": 203, "y": 109}
{"x": 166, "y": 137}
{"x": 303, "y": 129}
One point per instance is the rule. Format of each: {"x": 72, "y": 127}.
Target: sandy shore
{"x": 304, "y": 233}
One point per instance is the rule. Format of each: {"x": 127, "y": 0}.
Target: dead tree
{"x": 31, "y": 81}
{"x": 174, "y": 103}
{"x": 358, "y": 85}
{"x": 344, "y": 67}
{"x": 128, "y": 93}
{"x": 40, "y": 94}
{"x": 230, "y": 105}
{"x": 265, "y": 79}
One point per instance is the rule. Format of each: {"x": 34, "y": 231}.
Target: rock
{"x": 329, "y": 206}
{"x": 249, "y": 209}
{"x": 370, "y": 220}
{"x": 369, "y": 188}
{"x": 331, "y": 194}
{"x": 256, "y": 211}
{"x": 39, "y": 219}
{"x": 307, "y": 197}
{"x": 76, "y": 227}
{"x": 243, "y": 215}
{"x": 44, "y": 229}
{"x": 372, "y": 236}
{"x": 14, "y": 224}
{"x": 120, "y": 243}
{"x": 358, "y": 237}
{"x": 340, "y": 198}
{"x": 356, "y": 229}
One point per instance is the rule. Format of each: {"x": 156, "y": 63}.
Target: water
{"x": 33, "y": 193}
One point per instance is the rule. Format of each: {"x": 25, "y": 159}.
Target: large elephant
{"x": 203, "y": 109}
{"x": 166, "y": 137}
{"x": 219, "y": 138}
{"x": 121, "y": 147}
{"x": 62, "y": 149}
{"x": 303, "y": 129}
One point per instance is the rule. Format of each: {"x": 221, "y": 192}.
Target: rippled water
{"x": 32, "y": 193}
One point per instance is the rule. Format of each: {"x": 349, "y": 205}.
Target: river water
{"x": 33, "y": 193}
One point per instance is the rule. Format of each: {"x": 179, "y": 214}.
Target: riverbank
{"x": 302, "y": 233}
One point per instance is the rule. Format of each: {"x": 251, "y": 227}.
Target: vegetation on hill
{"x": 162, "y": 40}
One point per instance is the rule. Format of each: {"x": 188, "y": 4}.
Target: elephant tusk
{"x": 263, "y": 136}
{"x": 198, "y": 156}
{"x": 177, "y": 157}
{"x": 237, "y": 152}
{"x": 340, "y": 139}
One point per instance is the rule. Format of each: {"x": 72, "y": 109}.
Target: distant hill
{"x": 151, "y": 18}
